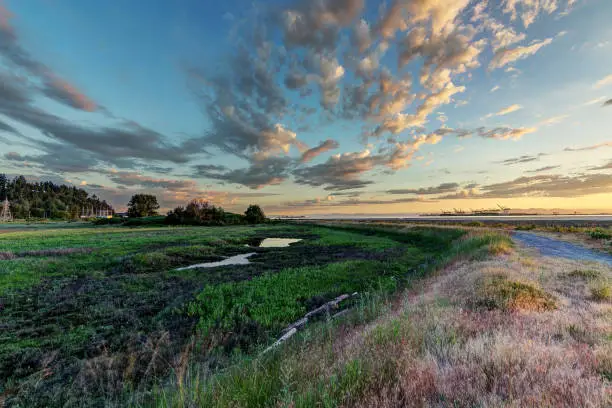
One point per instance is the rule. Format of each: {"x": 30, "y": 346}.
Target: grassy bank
{"x": 507, "y": 329}
{"x": 94, "y": 316}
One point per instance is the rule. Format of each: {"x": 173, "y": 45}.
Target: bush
{"x": 600, "y": 234}
{"x": 199, "y": 212}
{"x": 108, "y": 221}
{"x": 601, "y": 290}
{"x": 497, "y": 292}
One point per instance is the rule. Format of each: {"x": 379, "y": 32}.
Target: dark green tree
{"x": 3, "y": 186}
{"x": 47, "y": 199}
{"x": 254, "y": 214}
{"x": 142, "y": 205}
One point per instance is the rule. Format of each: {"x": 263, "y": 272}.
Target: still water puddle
{"x": 273, "y": 242}
{"x": 243, "y": 259}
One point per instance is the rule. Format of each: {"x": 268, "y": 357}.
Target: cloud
{"x": 505, "y": 111}
{"x": 4, "y": 127}
{"x": 505, "y": 133}
{"x": 607, "y": 166}
{"x": 440, "y": 189}
{"x": 595, "y": 101}
{"x": 522, "y": 159}
{"x": 585, "y": 148}
{"x": 553, "y": 120}
{"x": 323, "y": 147}
{"x": 54, "y": 87}
{"x": 315, "y": 25}
{"x": 608, "y": 103}
{"x": 507, "y": 56}
{"x": 495, "y": 88}
{"x": 549, "y": 186}
{"x": 135, "y": 179}
{"x": 62, "y": 91}
{"x": 603, "y": 82}
{"x": 543, "y": 169}
{"x": 270, "y": 171}
{"x": 339, "y": 172}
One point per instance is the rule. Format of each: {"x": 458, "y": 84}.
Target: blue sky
{"x": 241, "y": 102}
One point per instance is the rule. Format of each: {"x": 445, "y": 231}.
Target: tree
{"x": 3, "y": 186}
{"x": 254, "y": 214}
{"x": 142, "y": 205}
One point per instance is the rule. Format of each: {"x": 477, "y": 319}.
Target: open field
{"x": 100, "y": 316}
{"x": 97, "y": 315}
{"x": 510, "y": 329}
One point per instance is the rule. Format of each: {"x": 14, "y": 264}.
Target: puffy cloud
{"x": 315, "y": 24}
{"x": 450, "y": 53}
{"x": 323, "y": 147}
{"x": 603, "y": 82}
{"x": 593, "y": 147}
{"x": 495, "y": 88}
{"x": 329, "y": 74}
{"x": 404, "y": 13}
{"x": 401, "y": 121}
{"x": 528, "y": 10}
{"x": 362, "y": 36}
{"x": 507, "y": 56}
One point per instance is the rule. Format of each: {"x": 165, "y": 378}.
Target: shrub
{"x": 584, "y": 273}
{"x": 497, "y": 292}
{"x": 601, "y": 290}
{"x": 600, "y": 233}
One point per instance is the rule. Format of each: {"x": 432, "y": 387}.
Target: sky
{"x": 313, "y": 106}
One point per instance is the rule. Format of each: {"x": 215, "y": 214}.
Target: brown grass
{"x": 546, "y": 342}
{"x": 6, "y": 255}
{"x": 437, "y": 351}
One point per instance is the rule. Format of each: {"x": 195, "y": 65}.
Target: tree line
{"x": 196, "y": 212}
{"x": 46, "y": 199}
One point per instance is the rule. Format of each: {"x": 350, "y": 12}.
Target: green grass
{"x": 106, "y": 314}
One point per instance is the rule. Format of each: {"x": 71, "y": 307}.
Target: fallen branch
{"x": 293, "y": 328}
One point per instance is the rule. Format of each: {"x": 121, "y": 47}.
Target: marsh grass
{"x": 327, "y": 365}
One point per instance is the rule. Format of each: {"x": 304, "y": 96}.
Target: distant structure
{"x": 5, "y": 214}
{"x": 99, "y": 213}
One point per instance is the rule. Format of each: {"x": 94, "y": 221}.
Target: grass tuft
{"x": 601, "y": 290}
{"x": 498, "y": 292}
{"x": 584, "y": 273}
